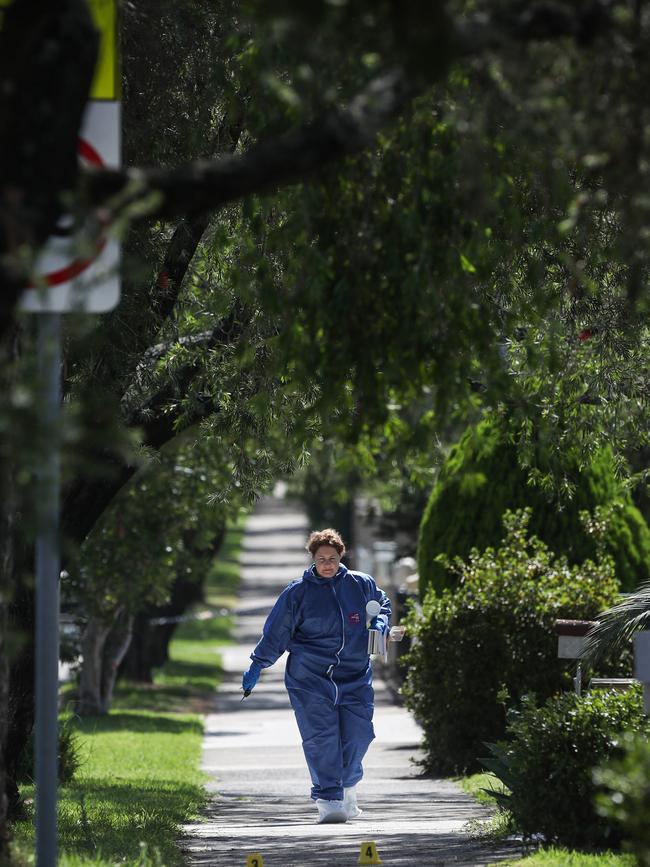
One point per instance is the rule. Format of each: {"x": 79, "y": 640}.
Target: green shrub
{"x": 492, "y": 638}
{"x": 625, "y": 795}
{"x": 548, "y": 759}
{"x": 482, "y": 477}
{"x": 67, "y": 756}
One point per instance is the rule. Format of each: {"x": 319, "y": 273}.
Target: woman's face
{"x": 327, "y": 561}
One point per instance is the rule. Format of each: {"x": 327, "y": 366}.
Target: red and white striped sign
{"x": 73, "y": 272}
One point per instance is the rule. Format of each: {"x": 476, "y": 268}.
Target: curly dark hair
{"x": 325, "y": 537}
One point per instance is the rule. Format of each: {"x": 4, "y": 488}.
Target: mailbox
{"x": 571, "y": 637}
{"x": 571, "y": 643}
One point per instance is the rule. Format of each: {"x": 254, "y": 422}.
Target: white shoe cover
{"x": 350, "y": 802}
{"x": 330, "y": 812}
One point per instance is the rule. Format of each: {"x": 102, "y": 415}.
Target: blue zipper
{"x": 338, "y": 658}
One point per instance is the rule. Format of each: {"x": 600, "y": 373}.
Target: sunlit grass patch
{"x": 192, "y": 672}
{"x": 476, "y": 784}
{"x": 138, "y": 782}
{"x": 567, "y": 858}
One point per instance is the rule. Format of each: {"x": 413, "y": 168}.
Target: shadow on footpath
{"x": 269, "y": 694}
{"x": 285, "y": 833}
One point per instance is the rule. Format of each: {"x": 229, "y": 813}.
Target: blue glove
{"x": 251, "y": 677}
{"x": 379, "y": 623}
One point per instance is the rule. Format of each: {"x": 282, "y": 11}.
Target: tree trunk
{"x": 7, "y": 514}
{"x": 115, "y": 648}
{"x": 150, "y": 646}
{"x": 95, "y": 634}
{"x": 137, "y": 663}
{"x": 16, "y": 603}
{"x": 104, "y": 643}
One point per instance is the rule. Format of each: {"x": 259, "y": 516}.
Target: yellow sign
{"x": 369, "y": 853}
{"x": 255, "y": 860}
{"x": 3, "y": 5}
{"x": 106, "y": 83}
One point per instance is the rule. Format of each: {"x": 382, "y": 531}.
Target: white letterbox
{"x": 571, "y": 637}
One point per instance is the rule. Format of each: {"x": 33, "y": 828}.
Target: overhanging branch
{"x": 209, "y": 185}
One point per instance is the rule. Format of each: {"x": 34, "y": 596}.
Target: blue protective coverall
{"x": 322, "y": 623}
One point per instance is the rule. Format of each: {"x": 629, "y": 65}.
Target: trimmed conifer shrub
{"x": 482, "y": 478}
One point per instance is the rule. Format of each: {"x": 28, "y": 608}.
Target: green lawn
{"x": 192, "y": 672}
{"x": 566, "y": 858}
{"x": 139, "y": 779}
{"x": 475, "y": 785}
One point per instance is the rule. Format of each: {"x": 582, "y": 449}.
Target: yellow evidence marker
{"x": 255, "y": 860}
{"x": 369, "y": 853}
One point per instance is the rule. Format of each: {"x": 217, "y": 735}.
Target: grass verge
{"x": 568, "y": 858}
{"x": 137, "y": 783}
{"x": 499, "y": 826}
{"x": 139, "y": 780}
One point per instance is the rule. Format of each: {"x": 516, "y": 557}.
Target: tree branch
{"x": 208, "y": 185}
{"x": 85, "y": 500}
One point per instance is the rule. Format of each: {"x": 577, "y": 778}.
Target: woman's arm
{"x": 278, "y": 628}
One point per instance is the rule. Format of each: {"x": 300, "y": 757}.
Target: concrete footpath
{"x": 258, "y": 778}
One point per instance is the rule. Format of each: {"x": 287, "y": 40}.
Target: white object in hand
{"x": 372, "y": 609}
{"x": 376, "y": 639}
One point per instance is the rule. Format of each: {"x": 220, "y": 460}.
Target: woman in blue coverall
{"x": 321, "y": 620}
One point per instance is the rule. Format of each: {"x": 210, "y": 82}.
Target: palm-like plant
{"x": 618, "y": 624}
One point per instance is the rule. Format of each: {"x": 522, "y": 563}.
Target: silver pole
{"x": 577, "y": 680}
{"x": 47, "y": 587}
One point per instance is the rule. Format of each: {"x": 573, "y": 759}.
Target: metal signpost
{"x": 47, "y": 587}
{"x": 67, "y": 278}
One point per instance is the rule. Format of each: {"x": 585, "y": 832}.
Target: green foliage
{"x": 455, "y": 249}
{"x": 625, "y": 796}
{"x": 483, "y": 476}
{"x": 617, "y": 624}
{"x": 492, "y": 640}
{"x": 161, "y": 526}
{"x": 223, "y": 576}
{"x": 548, "y": 759}
{"x": 68, "y": 754}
